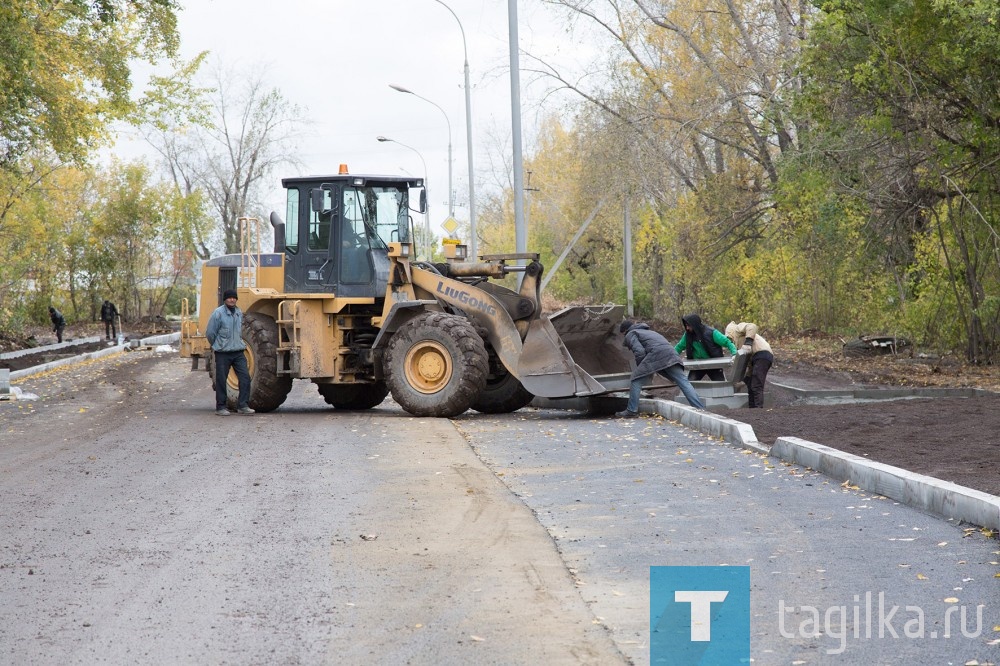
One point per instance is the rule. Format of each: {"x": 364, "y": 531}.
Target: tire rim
{"x": 232, "y": 381}
{"x": 428, "y": 366}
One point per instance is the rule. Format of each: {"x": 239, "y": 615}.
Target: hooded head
{"x": 625, "y": 325}
{"x": 51, "y": 309}
{"x": 692, "y": 322}
{"x": 731, "y": 328}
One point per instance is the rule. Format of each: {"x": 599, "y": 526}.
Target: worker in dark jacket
{"x": 224, "y": 332}
{"x": 702, "y": 341}
{"x": 653, "y": 353}
{"x": 58, "y": 322}
{"x": 109, "y": 315}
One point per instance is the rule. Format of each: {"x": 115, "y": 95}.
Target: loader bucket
{"x": 562, "y": 353}
{"x": 592, "y": 338}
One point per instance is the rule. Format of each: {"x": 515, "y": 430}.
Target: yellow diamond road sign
{"x": 450, "y": 225}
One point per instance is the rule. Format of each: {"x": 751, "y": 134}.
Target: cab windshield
{"x": 375, "y": 216}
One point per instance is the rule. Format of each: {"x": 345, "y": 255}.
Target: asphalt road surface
{"x": 136, "y": 527}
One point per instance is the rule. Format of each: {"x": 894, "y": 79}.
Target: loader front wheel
{"x": 354, "y": 396}
{"x": 503, "y": 392}
{"x": 267, "y": 389}
{"x": 436, "y": 365}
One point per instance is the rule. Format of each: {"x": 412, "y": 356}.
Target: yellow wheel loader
{"x": 343, "y": 302}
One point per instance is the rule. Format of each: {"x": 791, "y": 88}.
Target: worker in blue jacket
{"x": 225, "y": 333}
{"x": 653, "y": 354}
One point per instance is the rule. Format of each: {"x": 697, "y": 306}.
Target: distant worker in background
{"x": 653, "y": 353}
{"x": 702, "y": 341}
{"x": 109, "y": 315}
{"x": 224, "y": 332}
{"x": 751, "y": 342}
{"x": 58, "y": 322}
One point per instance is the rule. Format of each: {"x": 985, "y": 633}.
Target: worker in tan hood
{"x": 749, "y": 341}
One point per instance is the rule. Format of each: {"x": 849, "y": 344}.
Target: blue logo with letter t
{"x": 699, "y": 616}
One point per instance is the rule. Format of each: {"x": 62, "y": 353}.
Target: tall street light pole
{"x": 427, "y": 209}
{"x": 451, "y": 192}
{"x": 468, "y": 137}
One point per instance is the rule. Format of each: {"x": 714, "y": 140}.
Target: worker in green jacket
{"x": 702, "y": 341}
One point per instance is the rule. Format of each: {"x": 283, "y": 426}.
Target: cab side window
{"x": 292, "y": 222}
{"x": 319, "y": 225}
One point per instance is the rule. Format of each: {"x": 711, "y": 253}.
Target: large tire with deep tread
{"x": 503, "y": 392}
{"x": 354, "y": 396}
{"x": 436, "y": 365}
{"x": 268, "y": 389}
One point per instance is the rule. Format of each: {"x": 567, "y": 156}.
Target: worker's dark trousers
{"x": 715, "y": 375}
{"x": 238, "y": 362}
{"x": 760, "y": 363}
{"x": 110, "y": 330}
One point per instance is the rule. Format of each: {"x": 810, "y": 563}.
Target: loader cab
{"x": 338, "y": 229}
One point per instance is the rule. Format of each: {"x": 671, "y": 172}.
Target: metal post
{"x": 566, "y": 250}
{"x": 520, "y": 233}
{"x": 473, "y": 242}
{"x": 628, "y": 262}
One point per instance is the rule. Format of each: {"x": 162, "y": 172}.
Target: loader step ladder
{"x": 289, "y": 335}
{"x": 193, "y": 343}
{"x": 249, "y": 228}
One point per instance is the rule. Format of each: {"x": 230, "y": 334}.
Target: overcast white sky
{"x": 336, "y": 58}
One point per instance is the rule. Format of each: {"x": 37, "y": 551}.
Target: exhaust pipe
{"x": 279, "y": 232}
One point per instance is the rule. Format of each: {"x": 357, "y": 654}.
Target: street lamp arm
{"x": 451, "y": 191}
{"x": 384, "y": 139}
{"x": 465, "y": 49}
{"x": 434, "y": 104}
{"x": 468, "y": 135}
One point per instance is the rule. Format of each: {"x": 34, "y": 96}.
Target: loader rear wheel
{"x": 354, "y": 396}
{"x": 436, "y": 365}
{"x": 267, "y": 389}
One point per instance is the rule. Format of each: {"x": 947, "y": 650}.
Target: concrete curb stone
{"x": 941, "y": 498}
{"x": 155, "y": 340}
{"x": 708, "y": 423}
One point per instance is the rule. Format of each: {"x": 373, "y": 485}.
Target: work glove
{"x": 742, "y": 351}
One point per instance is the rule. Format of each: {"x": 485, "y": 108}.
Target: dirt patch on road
{"x": 38, "y": 340}
{"x": 43, "y": 356}
{"x": 953, "y": 439}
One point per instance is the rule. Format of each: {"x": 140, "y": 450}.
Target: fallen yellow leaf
{"x": 951, "y": 600}
{"x": 920, "y": 576}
